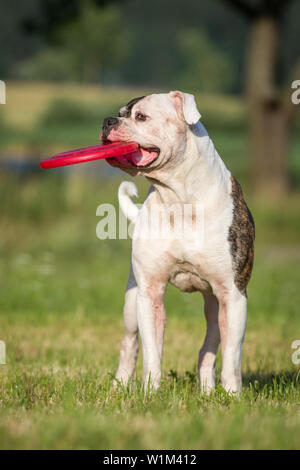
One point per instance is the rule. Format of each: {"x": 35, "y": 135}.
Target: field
{"x": 61, "y": 297}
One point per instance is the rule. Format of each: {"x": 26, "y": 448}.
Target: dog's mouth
{"x": 143, "y": 157}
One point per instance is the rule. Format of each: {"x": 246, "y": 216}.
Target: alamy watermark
{"x": 159, "y": 222}
{"x": 295, "y": 97}
{"x": 296, "y": 354}
{"x": 2, "y": 92}
{"x": 2, "y": 352}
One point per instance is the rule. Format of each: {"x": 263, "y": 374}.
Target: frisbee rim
{"x": 90, "y": 153}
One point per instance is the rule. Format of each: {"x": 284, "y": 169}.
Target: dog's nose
{"x": 110, "y": 122}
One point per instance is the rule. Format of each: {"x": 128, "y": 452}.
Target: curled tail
{"x": 126, "y": 191}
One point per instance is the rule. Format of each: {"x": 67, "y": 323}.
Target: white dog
{"x": 180, "y": 160}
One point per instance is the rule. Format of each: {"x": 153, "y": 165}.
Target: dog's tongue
{"x": 142, "y": 157}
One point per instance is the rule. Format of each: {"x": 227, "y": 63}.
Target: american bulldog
{"x": 179, "y": 159}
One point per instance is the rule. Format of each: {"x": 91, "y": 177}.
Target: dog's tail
{"x": 126, "y": 191}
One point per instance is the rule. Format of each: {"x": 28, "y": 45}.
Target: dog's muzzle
{"x": 143, "y": 157}
{"x": 109, "y": 123}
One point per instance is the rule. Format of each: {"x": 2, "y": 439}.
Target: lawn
{"x": 61, "y": 296}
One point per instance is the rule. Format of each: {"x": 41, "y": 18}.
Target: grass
{"x": 61, "y": 297}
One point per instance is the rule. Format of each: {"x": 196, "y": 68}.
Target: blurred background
{"x": 69, "y": 63}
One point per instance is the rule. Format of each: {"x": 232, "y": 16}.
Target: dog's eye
{"x": 140, "y": 117}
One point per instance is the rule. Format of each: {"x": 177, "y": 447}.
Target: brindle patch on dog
{"x": 241, "y": 238}
{"x": 125, "y": 111}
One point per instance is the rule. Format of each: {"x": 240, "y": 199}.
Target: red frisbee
{"x": 87, "y": 154}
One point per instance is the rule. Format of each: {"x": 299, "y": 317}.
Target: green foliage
{"x": 85, "y": 48}
{"x": 100, "y": 45}
{"x": 204, "y": 66}
{"x": 134, "y": 42}
{"x": 51, "y": 64}
{"x": 63, "y": 112}
{"x": 70, "y": 123}
{"x": 97, "y": 40}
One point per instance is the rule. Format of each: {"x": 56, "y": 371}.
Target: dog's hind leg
{"x": 232, "y": 323}
{"x": 208, "y": 352}
{"x": 130, "y": 344}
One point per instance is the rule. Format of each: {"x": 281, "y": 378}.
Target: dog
{"x": 179, "y": 159}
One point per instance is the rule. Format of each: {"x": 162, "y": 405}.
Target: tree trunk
{"x": 268, "y": 117}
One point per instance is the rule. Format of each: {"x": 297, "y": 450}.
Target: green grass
{"x": 61, "y": 297}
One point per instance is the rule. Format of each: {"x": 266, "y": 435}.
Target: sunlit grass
{"x": 61, "y": 297}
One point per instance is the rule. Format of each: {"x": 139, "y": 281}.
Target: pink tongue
{"x": 142, "y": 157}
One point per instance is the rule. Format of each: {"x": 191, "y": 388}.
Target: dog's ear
{"x": 186, "y": 107}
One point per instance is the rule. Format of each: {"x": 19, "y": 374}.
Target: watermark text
{"x": 2, "y": 352}
{"x": 159, "y": 222}
{"x": 295, "y": 97}
{"x": 296, "y": 353}
{"x": 2, "y": 92}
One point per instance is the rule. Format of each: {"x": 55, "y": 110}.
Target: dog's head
{"x": 158, "y": 123}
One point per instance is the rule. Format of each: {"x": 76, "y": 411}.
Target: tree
{"x": 83, "y": 47}
{"x": 270, "y": 108}
{"x": 211, "y": 72}
{"x": 96, "y": 40}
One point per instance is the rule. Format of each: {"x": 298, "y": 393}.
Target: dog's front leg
{"x": 151, "y": 322}
{"x": 130, "y": 344}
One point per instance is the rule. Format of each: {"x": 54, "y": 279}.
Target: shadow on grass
{"x": 259, "y": 379}
{"x": 259, "y": 383}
